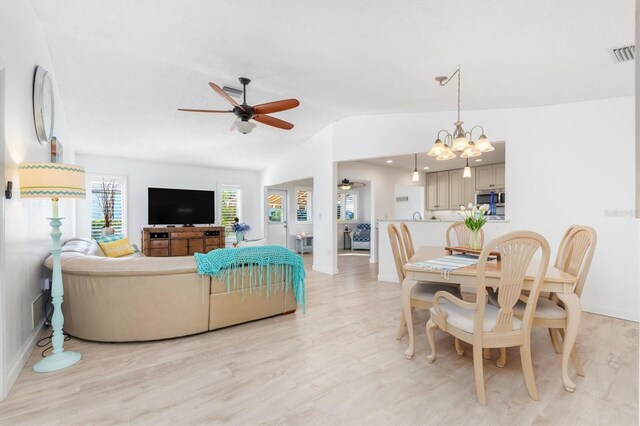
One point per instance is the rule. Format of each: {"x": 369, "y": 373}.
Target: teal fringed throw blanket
{"x": 274, "y": 261}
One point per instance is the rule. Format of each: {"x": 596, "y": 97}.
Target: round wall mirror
{"x": 43, "y": 105}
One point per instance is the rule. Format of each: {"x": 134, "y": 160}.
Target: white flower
{"x": 461, "y": 207}
{"x": 470, "y": 206}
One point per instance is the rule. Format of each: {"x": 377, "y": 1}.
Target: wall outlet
{"x": 46, "y": 284}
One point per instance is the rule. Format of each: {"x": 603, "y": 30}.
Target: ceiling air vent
{"x": 624, "y": 54}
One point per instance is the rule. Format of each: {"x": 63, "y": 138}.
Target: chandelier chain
{"x": 458, "y": 94}
{"x": 445, "y": 81}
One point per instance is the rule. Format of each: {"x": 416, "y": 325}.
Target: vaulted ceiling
{"x": 124, "y": 67}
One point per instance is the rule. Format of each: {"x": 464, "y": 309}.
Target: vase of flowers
{"x": 240, "y": 229}
{"x": 474, "y": 219}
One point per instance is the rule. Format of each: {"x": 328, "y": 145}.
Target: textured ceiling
{"x": 124, "y": 67}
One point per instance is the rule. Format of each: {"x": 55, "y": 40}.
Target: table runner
{"x": 447, "y": 264}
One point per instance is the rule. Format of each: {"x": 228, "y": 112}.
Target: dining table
{"x": 555, "y": 281}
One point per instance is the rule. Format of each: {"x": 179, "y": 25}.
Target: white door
{"x": 277, "y": 217}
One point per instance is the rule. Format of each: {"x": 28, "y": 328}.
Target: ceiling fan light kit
{"x": 346, "y": 185}
{"x": 245, "y": 112}
{"x": 245, "y": 127}
{"x": 459, "y": 140}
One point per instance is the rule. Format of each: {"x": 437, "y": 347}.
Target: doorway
{"x": 277, "y": 217}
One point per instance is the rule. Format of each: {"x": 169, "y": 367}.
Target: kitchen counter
{"x": 424, "y": 233}
{"x": 489, "y": 220}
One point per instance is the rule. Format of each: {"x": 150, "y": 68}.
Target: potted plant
{"x": 240, "y": 229}
{"x": 107, "y": 203}
{"x": 474, "y": 219}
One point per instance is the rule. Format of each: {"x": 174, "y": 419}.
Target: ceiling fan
{"x": 246, "y": 112}
{"x": 346, "y": 185}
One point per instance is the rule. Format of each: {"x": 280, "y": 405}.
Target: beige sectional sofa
{"x": 138, "y": 298}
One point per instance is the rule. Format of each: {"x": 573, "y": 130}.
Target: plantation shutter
{"x": 350, "y": 205}
{"x": 97, "y": 216}
{"x": 229, "y": 206}
{"x": 303, "y": 206}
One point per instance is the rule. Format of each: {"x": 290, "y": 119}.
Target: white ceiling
{"x": 407, "y": 162}
{"x": 123, "y": 67}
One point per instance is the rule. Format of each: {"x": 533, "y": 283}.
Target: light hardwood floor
{"x": 337, "y": 364}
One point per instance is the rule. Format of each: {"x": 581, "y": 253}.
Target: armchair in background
{"x": 361, "y": 237}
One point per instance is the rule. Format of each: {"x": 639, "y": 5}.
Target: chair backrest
{"x": 575, "y": 255}
{"x": 397, "y": 247}
{"x": 563, "y": 244}
{"x": 463, "y": 234}
{"x": 407, "y": 240}
{"x": 516, "y": 252}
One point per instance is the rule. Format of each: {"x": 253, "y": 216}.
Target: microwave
{"x": 484, "y": 197}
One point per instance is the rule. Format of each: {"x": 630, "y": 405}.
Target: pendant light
{"x": 467, "y": 170}
{"x": 416, "y": 175}
{"x": 461, "y": 141}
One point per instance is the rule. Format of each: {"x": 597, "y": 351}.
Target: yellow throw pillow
{"x": 117, "y": 248}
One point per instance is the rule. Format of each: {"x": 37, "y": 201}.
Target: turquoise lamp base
{"x": 55, "y": 362}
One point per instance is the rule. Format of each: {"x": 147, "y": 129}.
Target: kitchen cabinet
{"x": 462, "y": 191}
{"x": 490, "y": 177}
{"x": 456, "y": 196}
{"x": 438, "y": 191}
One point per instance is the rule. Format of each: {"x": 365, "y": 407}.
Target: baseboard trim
{"x": 388, "y": 278}
{"x": 324, "y": 270}
{"x": 614, "y": 313}
{"x": 25, "y": 353}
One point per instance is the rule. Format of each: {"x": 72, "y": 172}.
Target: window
{"x": 347, "y": 207}
{"x": 230, "y": 206}
{"x": 303, "y": 205}
{"x": 276, "y": 209}
{"x": 99, "y": 184}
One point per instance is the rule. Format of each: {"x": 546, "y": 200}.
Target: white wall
{"x": 415, "y": 201}
{"x": 142, "y": 174}
{"x": 24, "y": 232}
{"x": 313, "y": 158}
{"x": 556, "y": 171}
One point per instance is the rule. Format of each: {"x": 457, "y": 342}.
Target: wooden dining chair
{"x": 489, "y": 326}
{"x": 574, "y": 257}
{"x": 422, "y": 294}
{"x": 463, "y": 234}
{"x": 407, "y": 240}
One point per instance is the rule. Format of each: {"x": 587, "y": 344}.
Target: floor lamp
{"x": 54, "y": 181}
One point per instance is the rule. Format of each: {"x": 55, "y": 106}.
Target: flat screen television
{"x": 181, "y": 206}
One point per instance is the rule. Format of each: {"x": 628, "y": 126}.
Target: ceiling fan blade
{"x": 224, "y": 94}
{"x": 277, "y": 106}
{"x": 201, "y": 110}
{"x": 272, "y": 121}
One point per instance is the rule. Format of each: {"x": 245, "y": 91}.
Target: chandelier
{"x": 459, "y": 140}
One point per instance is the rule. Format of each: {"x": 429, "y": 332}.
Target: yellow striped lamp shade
{"x": 51, "y": 180}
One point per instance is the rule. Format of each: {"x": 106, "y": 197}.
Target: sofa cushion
{"x": 83, "y": 246}
{"x": 117, "y": 248}
{"x": 109, "y": 238}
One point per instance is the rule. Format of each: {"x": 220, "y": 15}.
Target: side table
{"x": 346, "y": 237}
